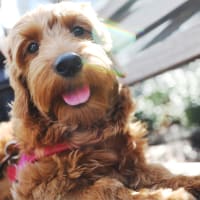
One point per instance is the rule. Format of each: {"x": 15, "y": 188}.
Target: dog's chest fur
{"x": 75, "y": 170}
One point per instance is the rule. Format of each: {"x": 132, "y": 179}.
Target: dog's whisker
{"x": 100, "y": 67}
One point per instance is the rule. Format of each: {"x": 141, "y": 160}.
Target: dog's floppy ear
{"x": 17, "y": 80}
{"x": 21, "y": 104}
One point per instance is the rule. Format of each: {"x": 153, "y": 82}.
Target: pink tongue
{"x": 77, "y": 96}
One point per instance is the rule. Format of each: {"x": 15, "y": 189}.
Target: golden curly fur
{"x": 106, "y": 160}
{"x": 5, "y": 137}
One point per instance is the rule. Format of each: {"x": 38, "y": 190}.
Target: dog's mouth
{"x": 77, "y": 96}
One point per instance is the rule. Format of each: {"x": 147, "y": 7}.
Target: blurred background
{"x": 156, "y": 45}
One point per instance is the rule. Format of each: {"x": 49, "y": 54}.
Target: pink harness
{"x": 31, "y": 158}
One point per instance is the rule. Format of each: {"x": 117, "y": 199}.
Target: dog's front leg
{"x": 112, "y": 189}
{"x": 156, "y": 176}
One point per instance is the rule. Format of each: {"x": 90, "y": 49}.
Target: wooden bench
{"x": 172, "y": 46}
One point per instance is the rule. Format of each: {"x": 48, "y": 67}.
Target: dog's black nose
{"x": 68, "y": 64}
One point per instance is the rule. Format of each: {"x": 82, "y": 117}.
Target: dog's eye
{"x": 78, "y": 31}
{"x": 33, "y": 47}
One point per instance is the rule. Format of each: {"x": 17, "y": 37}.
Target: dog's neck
{"x": 38, "y": 131}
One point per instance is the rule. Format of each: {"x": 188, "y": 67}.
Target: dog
{"x": 71, "y": 117}
{"x": 6, "y": 135}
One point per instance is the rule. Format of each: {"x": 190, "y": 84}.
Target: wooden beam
{"x": 123, "y": 11}
{"x": 178, "y": 17}
{"x": 177, "y": 50}
{"x": 155, "y": 11}
{"x": 181, "y": 13}
{"x": 111, "y": 8}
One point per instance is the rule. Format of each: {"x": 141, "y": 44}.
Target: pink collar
{"x": 33, "y": 157}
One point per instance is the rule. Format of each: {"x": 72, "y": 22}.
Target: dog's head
{"x": 58, "y": 56}
{"x": 59, "y": 67}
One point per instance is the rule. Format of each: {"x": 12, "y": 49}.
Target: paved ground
{"x": 177, "y": 149}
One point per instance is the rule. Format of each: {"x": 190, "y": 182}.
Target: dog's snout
{"x": 68, "y": 64}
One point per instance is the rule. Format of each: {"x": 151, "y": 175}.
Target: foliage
{"x": 173, "y": 97}
{"x": 193, "y": 114}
